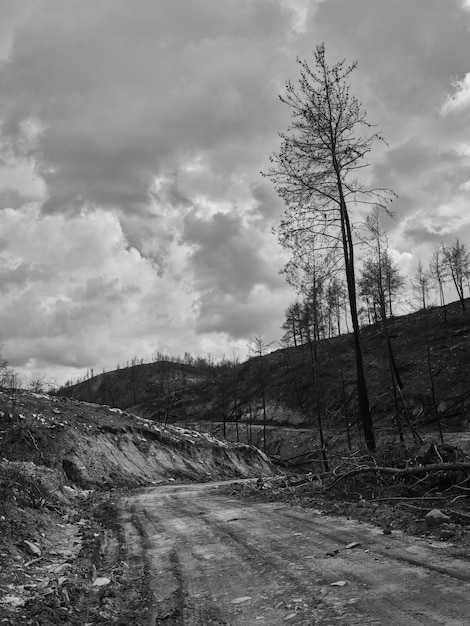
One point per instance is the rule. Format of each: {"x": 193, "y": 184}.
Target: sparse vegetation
{"x": 232, "y": 394}
{"x": 315, "y": 173}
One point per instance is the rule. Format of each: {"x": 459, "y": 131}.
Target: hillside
{"x": 65, "y": 462}
{"x": 232, "y": 396}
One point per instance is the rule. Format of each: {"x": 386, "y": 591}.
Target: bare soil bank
{"x": 63, "y": 464}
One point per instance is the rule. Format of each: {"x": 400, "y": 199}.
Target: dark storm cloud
{"x": 408, "y": 52}
{"x": 267, "y": 205}
{"x": 12, "y": 199}
{"x": 226, "y": 257}
{"x": 433, "y": 172}
{"x": 239, "y": 320}
{"x": 410, "y": 56}
{"x": 121, "y": 95}
{"x": 240, "y": 292}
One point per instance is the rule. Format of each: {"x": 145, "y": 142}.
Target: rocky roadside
{"x": 436, "y": 518}
{"x": 61, "y": 564}
{"x": 69, "y": 565}
{"x": 63, "y": 467}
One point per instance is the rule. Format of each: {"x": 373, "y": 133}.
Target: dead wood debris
{"x": 396, "y": 489}
{"x": 407, "y": 471}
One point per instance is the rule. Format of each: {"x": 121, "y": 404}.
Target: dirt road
{"x": 209, "y": 559}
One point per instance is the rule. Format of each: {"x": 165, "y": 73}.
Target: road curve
{"x": 209, "y": 559}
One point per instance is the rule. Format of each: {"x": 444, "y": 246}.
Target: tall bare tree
{"x": 437, "y": 275}
{"x": 421, "y": 284}
{"x": 335, "y": 295}
{"x": 307, "y": 276}
{"x": 293, "y": 326}
{"x": 380, "y": 281}
{"x": 315, "y": 174}
{"x": 457, "y": 259}
{"x": 258, "y": 349}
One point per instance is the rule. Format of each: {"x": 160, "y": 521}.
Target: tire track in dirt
{"x": 207, "y": 599}
{"x": 212, "y": 560}
{"x": 384, "y": 580}
{"x": 240, "y": 569}
{"x": 456, "y": 570}
{"x": 387, "y": 602}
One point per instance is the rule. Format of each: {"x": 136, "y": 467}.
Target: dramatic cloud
{"x": 75, "y": 296}
{"x": 460, "y": 100}
{"x": 226, "y": 245}
{"x": 133, "y": 216}
{"x": 121, "y": 94}
{"x": 413, "y": 81}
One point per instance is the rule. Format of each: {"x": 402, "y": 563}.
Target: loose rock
{"x": 33, "y": 548}
{"x": 446, "y": 533}
{"x": 436, "y": 518}
{"x": 240, "y": 600}
{"x": 101, "y": 581}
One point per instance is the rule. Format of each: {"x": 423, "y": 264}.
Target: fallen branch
{"x": 415, "y": 508}
{"x": 401, "y": 499}
{"x": 301, "y": 485}
{"x": 457, "y": 498}
{"x": 39, "y": 558}
{"x": 408, "y": 471}
{"x": 464, "y": 516}
{"x": 297, "y": 456}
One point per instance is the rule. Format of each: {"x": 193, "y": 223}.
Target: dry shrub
{"x": 27, "y": 484}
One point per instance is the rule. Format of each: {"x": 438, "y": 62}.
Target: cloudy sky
{"x": 133, "y": 216}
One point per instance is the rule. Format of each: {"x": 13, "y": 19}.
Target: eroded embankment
{"x": 62, "y": 559}
{"x": 297, "y": 446}
{"x": 139, "y": 455}
{"x": 95, "y": 446}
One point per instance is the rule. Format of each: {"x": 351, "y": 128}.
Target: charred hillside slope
{"x": 431, "y": 352}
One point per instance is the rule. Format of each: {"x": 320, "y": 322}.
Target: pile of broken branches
{"x": 427, "y": 477}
